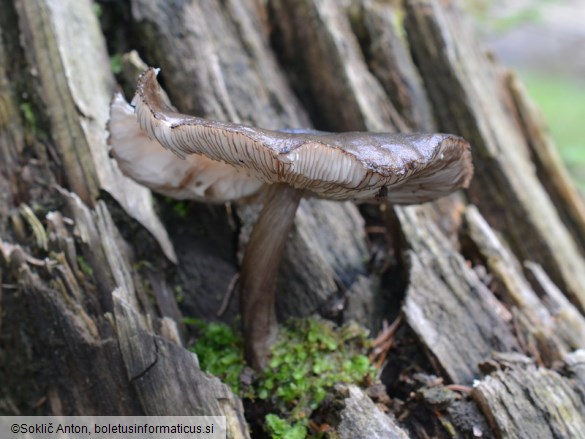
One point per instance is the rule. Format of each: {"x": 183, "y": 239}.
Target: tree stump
{"x": 489, "y": 284}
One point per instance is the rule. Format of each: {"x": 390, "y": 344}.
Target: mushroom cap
{"x": 361, "y": 166}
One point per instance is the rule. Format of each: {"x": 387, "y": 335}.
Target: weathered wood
{"x": 360, "y": 418}
{"x": 62, "y": 283}
{"x": 198, "y": 48}
{"x": 11, "y": 141}
{"x": 377, "y": 26}
{"x": 452, "y": 311}
{"x": 44, "y": 28}
{"x": 81, "y": 331}
{"x": 550, "y": 169}
{"x": 167, "y": 378}
{"x": 344, "y": 95}
{"x": 63, "y": 40}
{"x": 569, "y": 321}
{"x": 138, "y": 371}
{"x": 469, "y": 98}
{"x": 552, "y": 332}
{"x": 65, "y": 345}
{"x": 525, "y": 401}
{"x": 451, "y": 410}
{"x": 575, "y": 363}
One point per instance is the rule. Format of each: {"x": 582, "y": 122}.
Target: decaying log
{"x": 360, "y": 418}
{"x": 551, "y": 323}
{"x": 72, "y": 325}
{"x": 575, "y": 362}
{"x": 198, "y": 47}
{"x": 376, "y": 26}
{"x": 549, "y": 167}
{"x": 12, "y": 141}
{"x": 469, "y": 97}
{"x": 60, "y": 39}
{"x": 448, "y": 306}
{"x": 167, "y": 378}
{"x": 91, "y": 330}
{"x": 568, "y": 320}
{"x": 489, "y": 284}
{"x": 346, "y": 96}
{"x": 521, "y": 400}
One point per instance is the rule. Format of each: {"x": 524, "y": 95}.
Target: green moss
{"x": 308, "y": 359}
{"x": 28, "y": 116}
{"x": 85, "y": 267}
{"x": 179, "y": 207}
{"x": 116, "y": 63}
{"x": 179, "y": 294}
{"x": 97, "y": 10}
{"x": 219, "y": 349}
{"x": 279, "y": 428}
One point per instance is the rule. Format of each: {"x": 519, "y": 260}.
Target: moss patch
{"x": 308, "y": 359}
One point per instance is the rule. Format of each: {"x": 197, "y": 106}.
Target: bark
{"x": 470, "y": 97}
{"x": 359, "y": 418}
{"x": 489, "y": 283}
{"x": 517, "y": 399}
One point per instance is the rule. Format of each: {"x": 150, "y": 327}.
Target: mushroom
{"x": 226, "y": 161}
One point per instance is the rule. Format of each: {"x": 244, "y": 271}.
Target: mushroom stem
{"x": 260, "y": 269}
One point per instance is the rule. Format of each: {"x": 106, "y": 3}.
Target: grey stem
{"x": 260, "y": 269}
